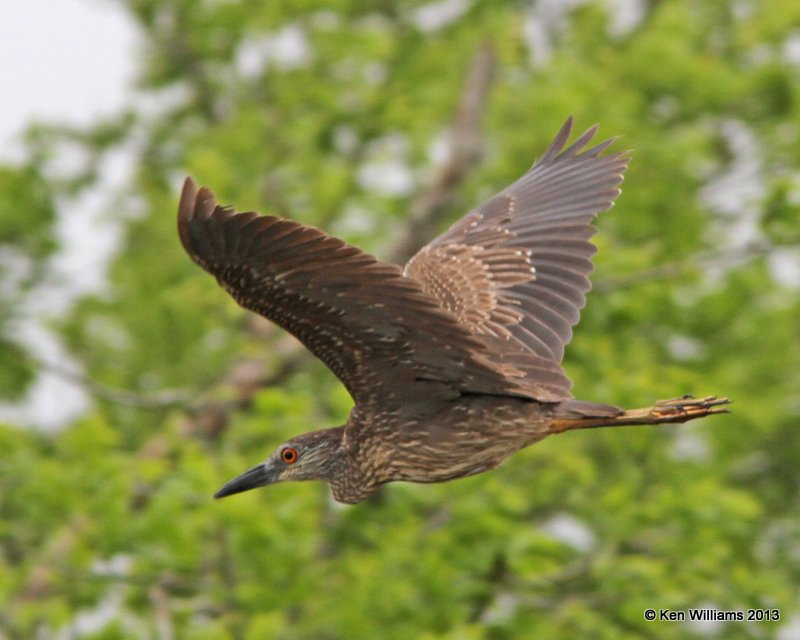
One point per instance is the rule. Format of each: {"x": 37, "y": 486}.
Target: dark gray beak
{"x": 260, "y": 475}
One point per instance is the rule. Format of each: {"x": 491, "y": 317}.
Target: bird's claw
{"x": 690, "y": 407}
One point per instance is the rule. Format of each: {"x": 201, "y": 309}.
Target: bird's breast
{"x": 465, "y": 437}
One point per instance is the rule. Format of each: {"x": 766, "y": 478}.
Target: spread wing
{"x": 378, "y": 331}
{"x": 517, "y": 267}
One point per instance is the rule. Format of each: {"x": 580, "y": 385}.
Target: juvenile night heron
{"x": 454, "y": 362}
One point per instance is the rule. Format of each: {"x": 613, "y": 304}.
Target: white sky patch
{"x": 355, "y": 220}
{"x": 437, "y": 15}
{"x": 784, "y": 266}
{"x": 345, "y": 139}
{"x": 89, "y": 232}
{"x": 779, "y": 541}
{"x": 548, "y": 18}
{"x": 386, "y": 177}
{"x": 545, "y": 19}
{"x": 50, "y": 402}
{"x": 502, "y": 609}
{"x": 791, "y": 48}
{"x": 790, "y": 630}
{"x": 737, "y": 193}
{"x": 154, "y": 104}
{"x": 286, "y": 49}
{"x": 568, "y": 529}
{"x": 688, "y": 444}
{"x": 375, "y": 73}
{"x": 386, "y": 169}
{"x": 68, "y": 62}
{"x": 625, "y": 16}
{"x": 706, "y": 627}
{"x": 684, "y": 347}
{"x": 440, "y": 148}
{"x": 15, "y": 268}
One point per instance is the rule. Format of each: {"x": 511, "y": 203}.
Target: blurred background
{"x": 132, "y": 386}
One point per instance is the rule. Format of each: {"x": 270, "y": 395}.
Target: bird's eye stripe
{"x": 289, "y": 455}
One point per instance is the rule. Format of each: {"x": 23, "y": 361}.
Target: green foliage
{"x": 116, "y": 507}
{"x": 15, "y": 372}
{"x": 26, "y": 211}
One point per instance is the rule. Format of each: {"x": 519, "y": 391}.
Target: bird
{"x": 453, "y": 362}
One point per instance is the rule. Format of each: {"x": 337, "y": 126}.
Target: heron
{"x": 453, "y": 362}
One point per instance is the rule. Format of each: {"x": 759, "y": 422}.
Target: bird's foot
{"x": 688, "y": 408}
{"x": 671, "y": 411}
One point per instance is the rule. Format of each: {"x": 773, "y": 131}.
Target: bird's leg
{"x": 662, "y": 412}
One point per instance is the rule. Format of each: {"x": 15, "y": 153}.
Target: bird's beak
{"x": 258, "y": 476}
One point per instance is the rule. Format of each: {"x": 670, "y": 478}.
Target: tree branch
{"x": 156, "y": 400}
{"x": 466, "y": 144}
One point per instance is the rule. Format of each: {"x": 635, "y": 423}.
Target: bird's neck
{"x": 351, "y": 474}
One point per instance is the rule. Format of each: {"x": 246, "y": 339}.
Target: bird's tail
{"x": 586, "y": 415}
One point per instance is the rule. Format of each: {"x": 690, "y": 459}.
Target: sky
{"x": 68, "y": 61}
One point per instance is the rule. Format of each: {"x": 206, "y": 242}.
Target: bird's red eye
{"x": 289, "y": 455}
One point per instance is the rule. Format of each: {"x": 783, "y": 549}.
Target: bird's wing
{"x": 378, "y": 331}
{"x": 517, "y": 267}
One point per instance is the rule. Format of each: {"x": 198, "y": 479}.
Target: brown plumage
{"x": 454, "y": 363}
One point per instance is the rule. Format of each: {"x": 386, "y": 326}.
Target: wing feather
{"x": 545, "y": 215}
{"x": 377, "y": 330}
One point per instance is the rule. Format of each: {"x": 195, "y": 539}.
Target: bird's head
{"x": 311, "y": 456}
